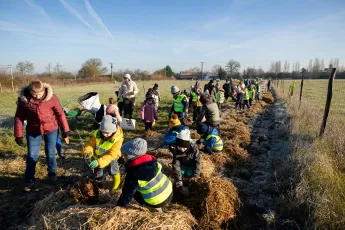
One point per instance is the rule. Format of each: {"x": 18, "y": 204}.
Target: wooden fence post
{"x": 301, "y": 92}
{"x": 328, "y": 101}
{"x": 0, "y": 88}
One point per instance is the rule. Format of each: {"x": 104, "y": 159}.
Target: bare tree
{"x": 316, "y": 66}
{"x": 49, "y": 68}
{"x": 58, "y": 69}
{"x": 278, "y": 67}
{"x": 322, "y": 65}
{"x": 286, "y": 67}
{"x": 272, "y": 67}
{"x": 310, "y": 66}
{"x": 215, "y": 69}
{"x": 25, "y": 67}
{"x": 232, "y": 67}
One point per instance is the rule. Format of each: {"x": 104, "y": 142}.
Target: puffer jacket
{"x": 129, "y": 90}
{"x": 190, "y": 158}
{"x": 43, "y": 116}
{"x": 209, "y": 144}
{"x": 211, "y": 112}
{"x": 113, "y": 153}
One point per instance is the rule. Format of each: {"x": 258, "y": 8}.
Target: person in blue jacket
{"x": 209, "y": 138}
{"x": 175, "y": 127}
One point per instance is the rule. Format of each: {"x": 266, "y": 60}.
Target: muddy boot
{"x": 28, "y": 187}
{"x": 116, "y": 182}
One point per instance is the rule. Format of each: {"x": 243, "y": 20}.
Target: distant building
{"x": 186, "y": 76}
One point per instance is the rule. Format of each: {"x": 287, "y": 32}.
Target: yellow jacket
{"x": 113, "y": 153}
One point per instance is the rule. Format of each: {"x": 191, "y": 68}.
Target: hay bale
{"x": 221, "y": 204}
{"x": 207, "y": 166}
{"x": 111, "y": 217}
{"x": 237, "y": 132}
{"x": 236, "y": 152}
{"x": 194, "y": 135}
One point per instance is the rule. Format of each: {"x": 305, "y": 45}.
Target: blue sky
{"x": 182, "y": 33}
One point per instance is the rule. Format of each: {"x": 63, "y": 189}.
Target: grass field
{"x": 320, "y": 163}
{"x": 315, "y": 92}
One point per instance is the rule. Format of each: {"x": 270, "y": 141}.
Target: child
{"x": 209, "y": 138}
{"x": 148, "y": 112}
{"x": 145, "y": 181}
{"x": 245, "y": 97}
{"x": 257, "y": 91}
{"x": 251, "y": 93}
{"x": 239, "y": 98}
{"x": 120, "y": 103}
{"x": 154, "y": 96}
{"x": 104, "y": 150}
{"x": 175, "y": 127}
{"x": 219, "y": 97}
{"x": 186, "y": 159}
{"x": 113, "y": 110}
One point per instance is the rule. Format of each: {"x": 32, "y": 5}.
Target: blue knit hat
{"x": 134, "y": 148}
{"x": 201, "y": 128}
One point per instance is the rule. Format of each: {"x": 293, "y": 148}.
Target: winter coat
{"x": 190, "y": 158}
{"x": 113, "y": 153}
{"x": 43, "y": 116}
{"x": 211, "y": 112}
{"x": 143, "y": 168}
{"x": 170, "y": 136}
{"x": 209, "y": 144}
{"x": 128, "y": 91}
{"x": 148, "y": 112}
{"x": 156, "y": 96}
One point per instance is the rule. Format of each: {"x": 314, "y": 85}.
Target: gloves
{"x": 179, "y": 184}
{"x": 19, "y": 141}
{"x": 87, "y": 154}
{"x": 93, "y": 164}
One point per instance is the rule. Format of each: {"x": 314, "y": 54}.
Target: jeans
{"x": 112, "y": 168}
{"x": 58, "y": 146}
{"x": 34, "y": 144}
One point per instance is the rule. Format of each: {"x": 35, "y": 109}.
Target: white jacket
{"x": 128, "y": 91}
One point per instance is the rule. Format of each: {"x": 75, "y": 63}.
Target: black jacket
{"x": 142, "y": 168}
{"x": 190, "y": 158}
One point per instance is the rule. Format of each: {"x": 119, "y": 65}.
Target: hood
{"x": 25, "y": 95}
{"x": 144, "y": 167}
{"x": 118, "y": 133}
{"x": 212, "y": 131}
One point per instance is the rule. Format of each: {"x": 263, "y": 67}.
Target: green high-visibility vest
{"x": 251, "y": 93}
{"x": 157, "y": 190}
{"x": 246, "y": 95}
{"x": 219, "y": 143}
{"x": 195, "y": 97}
{"x": 102, "y": 149}
{"x": 220, "y": 97}
{"x": 178, "y": 105}
{"x": 121, "y": 99}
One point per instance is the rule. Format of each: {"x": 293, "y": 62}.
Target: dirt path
{"x": 264, "y": 181}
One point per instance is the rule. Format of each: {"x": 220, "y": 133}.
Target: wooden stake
{"x": 301, "y": 92}
{"x": 328, "y": 101}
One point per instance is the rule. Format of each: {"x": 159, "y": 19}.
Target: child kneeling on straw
{"x": 186, "y": 160}
{"x": 145, "y": 181}
{"x": 104, "y": 150}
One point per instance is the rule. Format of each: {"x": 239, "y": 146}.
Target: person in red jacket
{"x": 41, "y": 108}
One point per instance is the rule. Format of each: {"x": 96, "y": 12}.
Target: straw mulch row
{"x": 213, "y": 202}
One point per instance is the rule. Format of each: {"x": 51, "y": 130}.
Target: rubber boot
{"x": 116, "y": 182}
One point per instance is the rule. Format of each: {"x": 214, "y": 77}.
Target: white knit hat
{"x": 183, "y": 138}
{"x": 127, "y": 76}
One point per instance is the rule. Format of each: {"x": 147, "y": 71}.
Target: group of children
{"x": 246, "y": 94}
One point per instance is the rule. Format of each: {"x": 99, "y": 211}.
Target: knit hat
{"x": 183, "y": 138}
{"x": 205, "y": 97}
{"x": 128, "y": 76}
{"x": 201, "y": 128}
{"x": 134, "y": 148}
{"x": 108, "y": 124}
{"x": 155, "y": 86}
{"x": 174, "y": 121}
{"x": 148, "y": 96}
{"x": 174, "y": 89}
{"x": 111, "y": 109}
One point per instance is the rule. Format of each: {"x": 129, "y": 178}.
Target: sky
{"x": 149, "y": 35}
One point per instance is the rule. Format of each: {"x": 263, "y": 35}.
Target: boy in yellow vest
{"x": 220, "y": 97}
{"x": 104, "y": 150}
{"x": 145, "y": 181}
{"x": 209, "y": 138}
{"x": 180, "y": 105}
{"x": 251, "y": 92}
{"x": 194, "y": 100}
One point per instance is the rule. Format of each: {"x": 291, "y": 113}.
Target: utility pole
{"x": 111, "y": 69}
{"x": 202, "y": 73}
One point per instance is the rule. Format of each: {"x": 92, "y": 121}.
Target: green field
{"x": 315, "y": 92}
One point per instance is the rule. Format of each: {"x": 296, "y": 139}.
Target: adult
{"x": 180, "y": 104}
{"x": 128, "y": 91}
{"x": 227, "y": 90}
{"x": 269, "y": 85}
{"x": 209, "y": 111}
{"x": 41, "y": 108}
